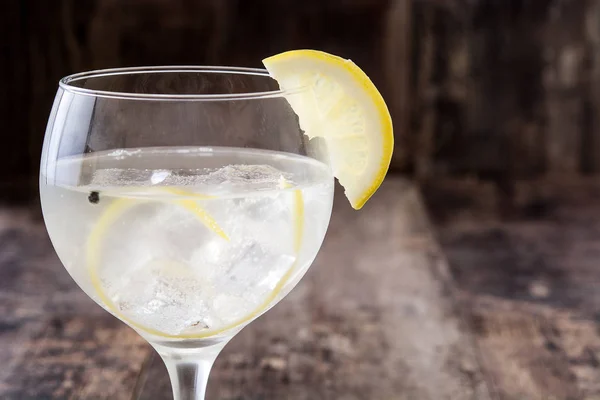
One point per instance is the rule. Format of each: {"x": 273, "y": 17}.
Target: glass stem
{"x": 189, "y": 369}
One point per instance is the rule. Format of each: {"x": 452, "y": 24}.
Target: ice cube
{"x": 246, "y": 271}
{"x": 159, "y": 176}
{"x": 230, "y": 308}
{"x": 165, "y": 295}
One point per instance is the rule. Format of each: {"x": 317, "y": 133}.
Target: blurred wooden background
{"x": 496, "y": 107}
{"x": 499, "y": 90}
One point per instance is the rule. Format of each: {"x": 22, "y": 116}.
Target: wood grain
{"x": 55, "y": 343}
{"x": 563, "y": 79}
{"x": 591, "y": 140}
{"x": 374, "y": 318}
{"x": 397, "y": 61}
{"x": 482, "y": 87}
{"x": 374, "y": 323}
{"x": 528, "y": 285}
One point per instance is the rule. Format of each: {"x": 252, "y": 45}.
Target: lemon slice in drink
{"x": 120, "y": 206}
{"x": 342, "y": 106}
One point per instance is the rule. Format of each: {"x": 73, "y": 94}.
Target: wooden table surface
{"x": 380, "y": 315}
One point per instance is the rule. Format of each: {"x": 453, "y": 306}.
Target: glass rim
{"x": 66, "y": 83}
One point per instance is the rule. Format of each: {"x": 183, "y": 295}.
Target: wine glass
{"x": 186, "y": 201}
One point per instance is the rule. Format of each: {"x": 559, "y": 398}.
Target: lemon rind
{"x": 121, "y": 205}
{"x": 369, "y": 89}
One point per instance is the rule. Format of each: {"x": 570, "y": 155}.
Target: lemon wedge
{"x": 342, "y": 106}
{"x": 119, "y": 206}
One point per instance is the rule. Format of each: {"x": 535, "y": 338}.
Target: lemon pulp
{"x": 343, "y": 107}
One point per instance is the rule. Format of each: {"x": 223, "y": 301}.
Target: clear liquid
{"x": 187, "y": 242}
